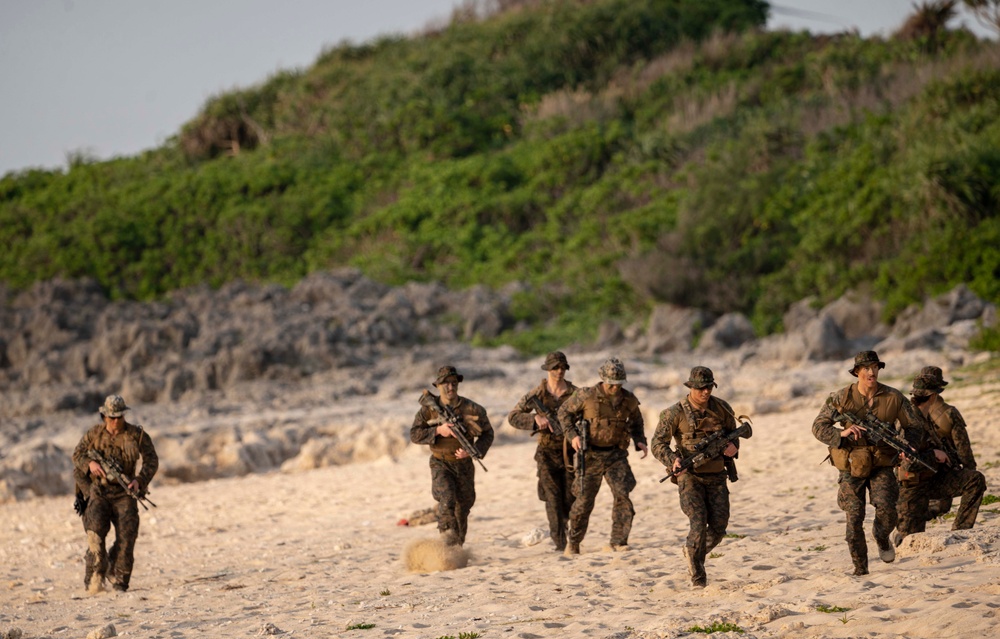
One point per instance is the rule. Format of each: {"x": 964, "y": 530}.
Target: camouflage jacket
{"x": 523, "y": 415}
{"x": 132, "y": 448}
{"x": 950, "y": 425}
{"x": 674, "y": 425}
{"x": 888, "y": 404}
{"x": 427, "y": 419}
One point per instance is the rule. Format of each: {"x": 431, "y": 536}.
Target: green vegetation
{"x": 461, "y": 635}
{"x": 608, "y": 154}
{"x": 718, "y": 626}
{"x": 831, "y": 609}
{"x": 990, "y": 499}
{"x": 819, "y": 548}
{"x": 361, "y": 626}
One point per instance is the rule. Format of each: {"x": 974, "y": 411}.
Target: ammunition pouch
{"x": 839, "y": 459}
{"x": 860, "y": 460}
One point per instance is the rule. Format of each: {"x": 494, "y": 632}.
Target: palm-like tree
{"x": 927, "y": 21}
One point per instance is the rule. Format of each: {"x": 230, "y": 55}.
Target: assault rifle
{"x": 458, "y": 428}
{"x": 542, "y": 410}
{"x": 711, "y": 447}
{"x": 944, "y": 444}
{"x": 115, "y": 472}
{"x": 881, "y": 432}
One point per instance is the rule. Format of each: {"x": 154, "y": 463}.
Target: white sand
{"x": 308, "y": 554}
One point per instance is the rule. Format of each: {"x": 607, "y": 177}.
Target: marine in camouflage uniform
{"x": 703, "y": 491}
{"x": 555, "y": 476}
{"x": 104, "y": 502}
{"x": 956, "y": 476}
{"x": 865, "y": 466}
{"x": 453, "y": 475}
{"x": 614, "y": 418}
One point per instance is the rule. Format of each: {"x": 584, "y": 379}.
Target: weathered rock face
{"x": 67, "y": 338}
{"x": 673, "y": 328}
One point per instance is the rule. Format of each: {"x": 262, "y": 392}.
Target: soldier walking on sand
{"x": 703, "y": 491}
{"x": 613, "y": 418}
{"x": 956, "y": 476}
{"x": 555, "y": 476}
{"x": 105, "y": 502}
{"x": 453, "y": 475}
{"x": 866, "y": 466}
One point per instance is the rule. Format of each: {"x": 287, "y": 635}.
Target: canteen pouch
{"x": 860, "y": 461}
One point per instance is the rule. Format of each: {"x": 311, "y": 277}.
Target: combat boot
{"x": 697, "y": 573}
{"x": 886, "y": 551}
{"x": 860, "y": 567}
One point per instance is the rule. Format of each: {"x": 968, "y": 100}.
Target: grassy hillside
{"x": 608, "y": 153}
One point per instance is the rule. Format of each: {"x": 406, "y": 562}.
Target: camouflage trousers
{"x": 115, "y": 565}
{"x": 705, "y": 501}
{"x": 958, "y": 482}
{"x": 555, "y": 488}
{"x": 610, "y": 466}
{"x": 883, "y": 490}
{"x": 453, "y": 486}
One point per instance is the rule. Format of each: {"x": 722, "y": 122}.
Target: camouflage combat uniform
{"x": 107, "y": 503}
{"x": 872, "y": 465}
{"x": 959, "y": 479}
{"x": 703, "y": 490}
{"x": 614, "y": 420}
{"x": 453, "y": 480}
{"x": 555, "y": 476}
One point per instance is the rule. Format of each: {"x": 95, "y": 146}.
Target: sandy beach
{"x": 318, "y": 553}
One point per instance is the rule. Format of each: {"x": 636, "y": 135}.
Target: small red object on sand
{"x": 403, "y": 522}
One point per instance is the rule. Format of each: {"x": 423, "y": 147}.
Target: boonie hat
{"x": 865, "y": 358}
{"x": 555, "y": 359}
{"x": 613, "y": 371}
{"x": 701, "y": 377}
{"x": 928, "y": 381}
{"x": 445, "y": 372}
{"x": 114, "y": 406}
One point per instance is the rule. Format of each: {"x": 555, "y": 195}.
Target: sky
{"x": 106, "y": 78}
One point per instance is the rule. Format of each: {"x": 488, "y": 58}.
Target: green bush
{"x": 606, "y": 155}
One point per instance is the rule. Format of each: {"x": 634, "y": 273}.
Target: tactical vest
{"x": 548, "y": 439}
{"x": 860, "y": 456}
{"x": 446, "y": 447}
{"x": 940, "y": 421}
{"x": 123, "y": 448}
{"x": 695, "y": 429}
{"x": 940, "y": 417}
{"x": 609, "y": 426}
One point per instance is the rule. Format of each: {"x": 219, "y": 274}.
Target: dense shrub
{"x": 606, "y": 154}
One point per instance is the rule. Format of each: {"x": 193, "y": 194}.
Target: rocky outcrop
{"x": 67, "y": 338}
{"x": 257, "y": 378}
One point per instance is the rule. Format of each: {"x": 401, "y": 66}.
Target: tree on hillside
{"x": 927, "y": 21}
{"x": 987, "y": 12}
